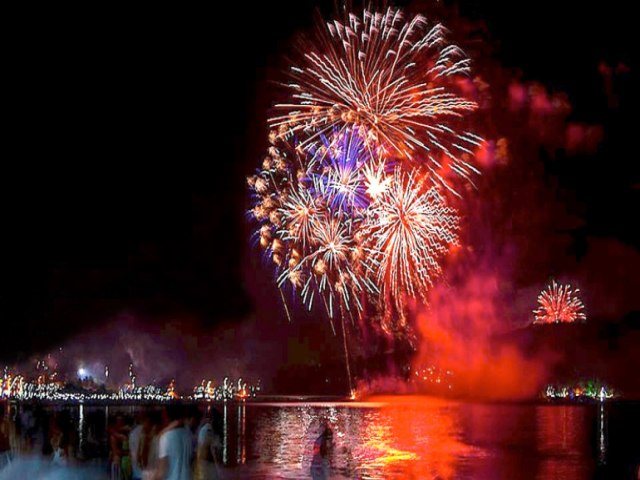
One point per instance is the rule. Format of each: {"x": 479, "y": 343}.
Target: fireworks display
{"x": 310, "y": 215}
{"x": 559, "y": 304}
{"x": 410, "y": 232}
{"x": 352, "y": 198}
{"x": 392, "y": 77}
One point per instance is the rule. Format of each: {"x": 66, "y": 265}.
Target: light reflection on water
{"x": 562, "y": 438}
{"x": 242, "y": 444}
{"x": 414, "y": 437}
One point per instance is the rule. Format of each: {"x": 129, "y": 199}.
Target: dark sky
{"x": 129, "y": 133}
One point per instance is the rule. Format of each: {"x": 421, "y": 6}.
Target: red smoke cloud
{"x": 458, "y": 331}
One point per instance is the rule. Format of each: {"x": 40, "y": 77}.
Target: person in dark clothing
{"x": 5, "y": 438}
{"x": 322, "y": 447}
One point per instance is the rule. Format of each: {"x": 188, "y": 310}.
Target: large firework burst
{"x": 348, "y": 199}
{"x": 410, "y": 231}
{"x": 328, "y": 267}
{"x": 309, "y": 218}
{"x": 559, "y": 304}
{"x": 396, "y": 79}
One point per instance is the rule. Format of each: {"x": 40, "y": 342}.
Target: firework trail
{"x": 396, "y": 80}
{"x": 559, "y": 304}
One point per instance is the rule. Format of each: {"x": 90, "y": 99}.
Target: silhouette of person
{"x": 322, "y": 447}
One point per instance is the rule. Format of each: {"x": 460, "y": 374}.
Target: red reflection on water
{"x": 416, "y": 436}
{"x": 562, "y": 437}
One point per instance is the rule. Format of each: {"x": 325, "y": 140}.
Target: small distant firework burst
{"x": 350, "y": 198}
{"x": 559, "y": 304}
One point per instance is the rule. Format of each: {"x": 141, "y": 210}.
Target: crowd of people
{"x": 175, "y": 442}
{"x": 35, "y": 431}
{"x": 171, "y": 442}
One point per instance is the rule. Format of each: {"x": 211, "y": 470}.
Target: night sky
{"x": 129, "y": 135}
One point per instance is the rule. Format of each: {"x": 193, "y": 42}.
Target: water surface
{"x": 411, "y": 438}
{"x": 424, "y": 438}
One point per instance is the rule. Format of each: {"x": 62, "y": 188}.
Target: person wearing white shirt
{"x": 134, "y": 445}
{"x": 208, "y": 444}
{"x": 175, "y": 448}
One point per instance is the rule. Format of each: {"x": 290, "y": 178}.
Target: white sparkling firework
{"x": 326, "y": 269}
{"x": 375, "y": 127}
{"x": 299, "y": 212}
{"x": 394, "y": 78}
{"x": 410, "y": 231}
{"x": 309, "y": 220}
{"x": 375, "y": 179}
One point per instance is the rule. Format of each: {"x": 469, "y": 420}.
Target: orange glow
{"x": 483, "y": 369}
{"x": 393, "y": 444}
